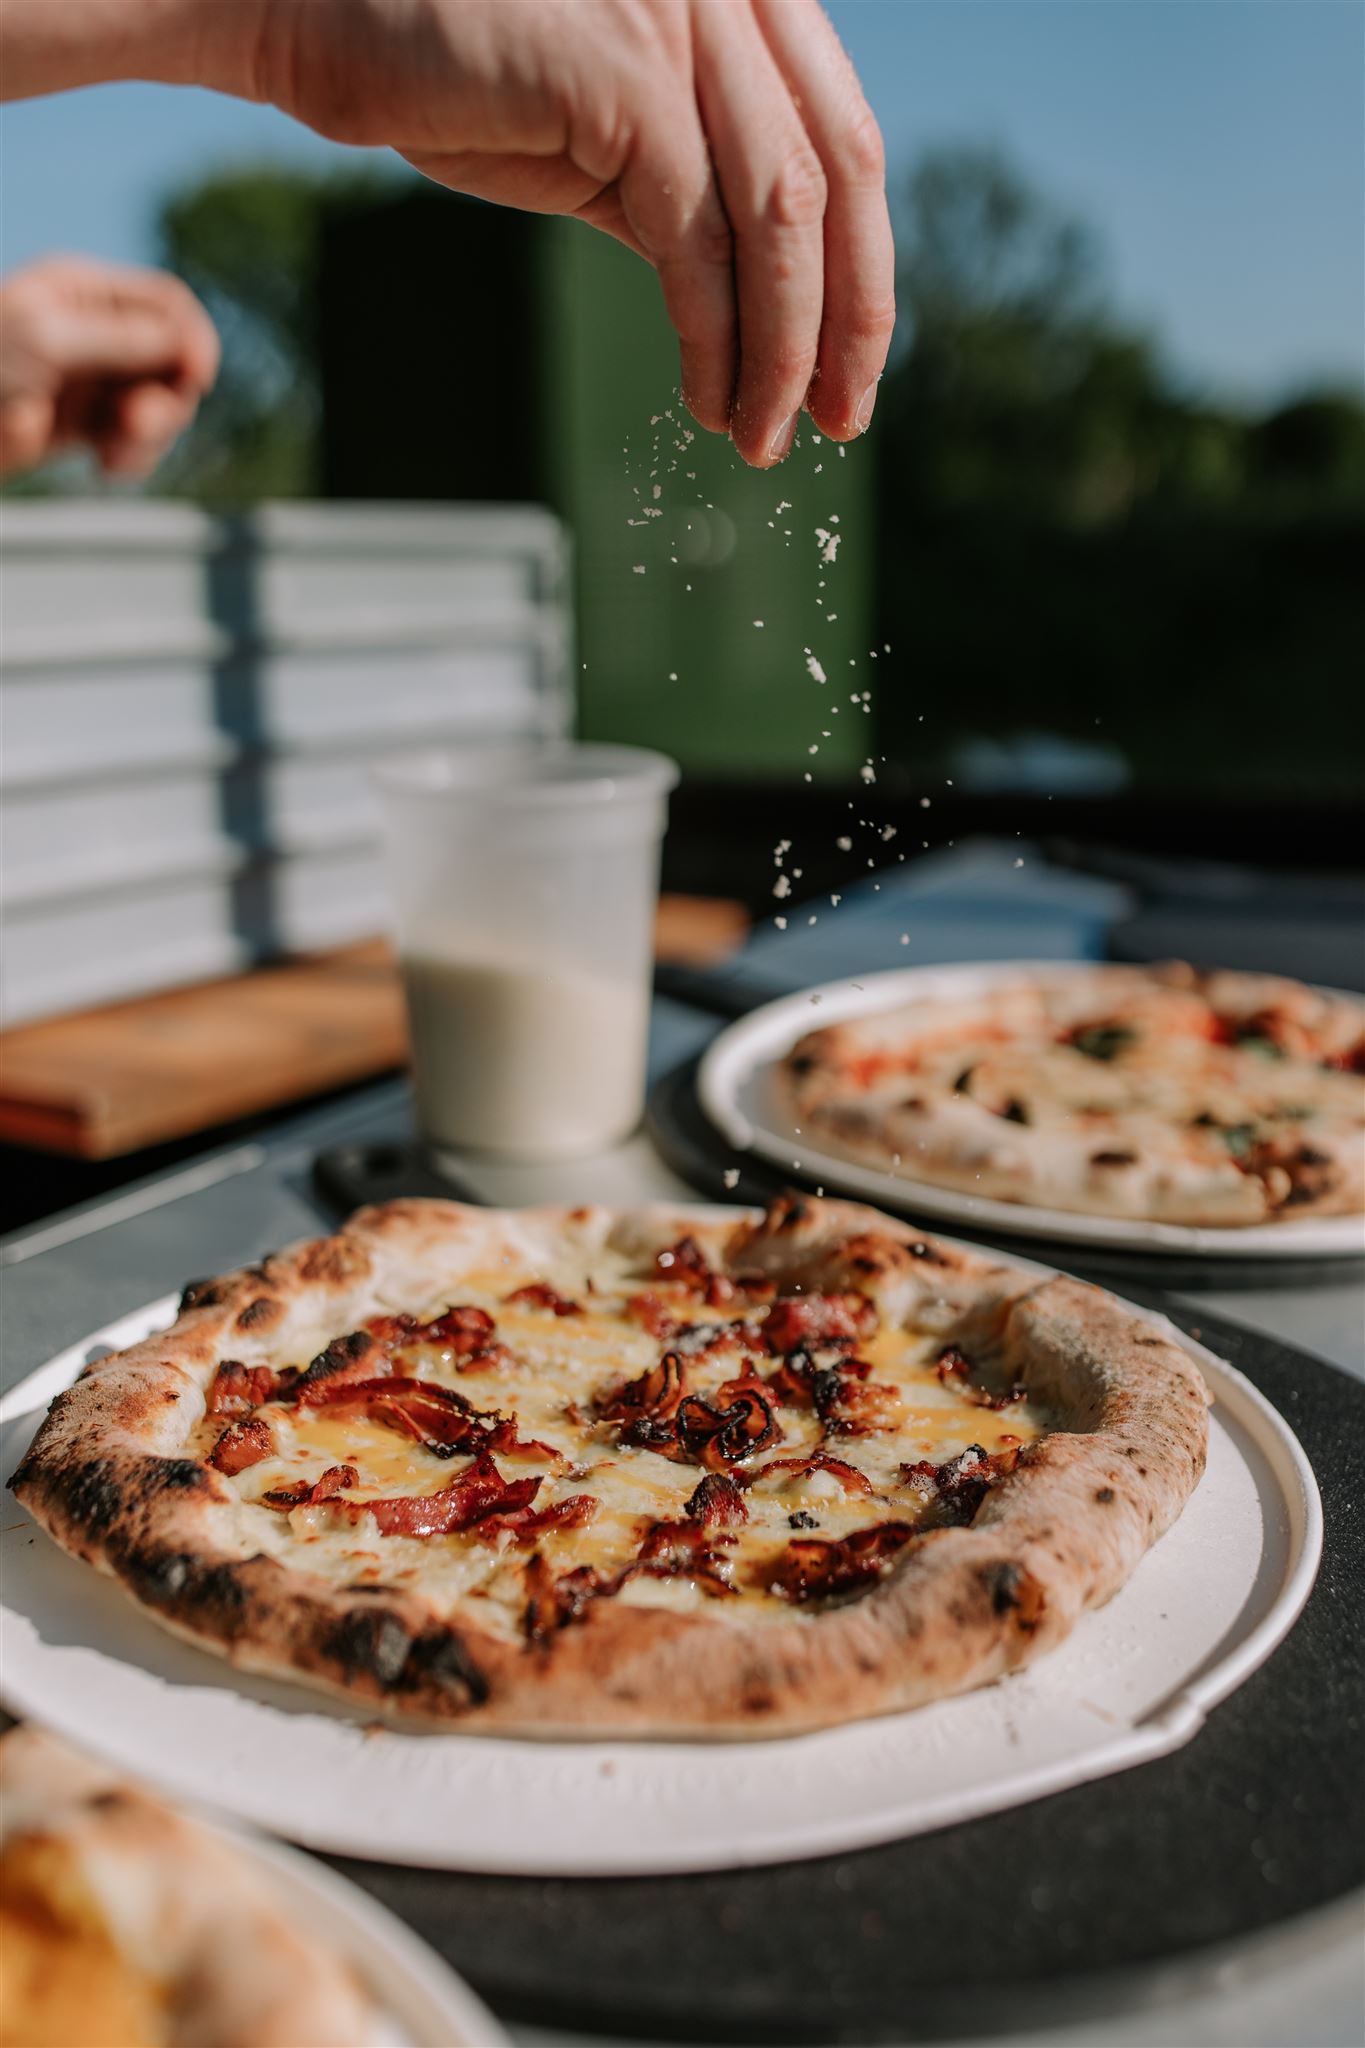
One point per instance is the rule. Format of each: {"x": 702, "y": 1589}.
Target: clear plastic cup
{"x": 523, "y": 880}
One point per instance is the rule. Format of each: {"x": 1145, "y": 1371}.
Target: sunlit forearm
{"x": 53, "y": 45}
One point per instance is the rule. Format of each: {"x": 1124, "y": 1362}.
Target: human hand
{"x": 97, "y": 353}
{"x": 726, "y": 141}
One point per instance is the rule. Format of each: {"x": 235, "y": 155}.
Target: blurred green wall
{"x": 744, "y": 701}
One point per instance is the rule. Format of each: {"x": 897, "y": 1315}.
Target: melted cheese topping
{"x": 557, "y": 1367}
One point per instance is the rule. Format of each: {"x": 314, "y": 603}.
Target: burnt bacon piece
{"x": 236, "y": 1389}
{"x": 684, "y": 1260}
{"x": 242, "y": 1445}
{"x": 668, "y": 1550}
{"x": 307, "y": 1493}
{"x": 681, "y": 1550}
{"x": 847, "y": 1402}
{"x": 526, "y": 1525}
{"x": 848, "y": 1476}
{"x": 654, "y": 1395}
{"x": 806, "y": 1322}
{"x": 706, "y": 1340}
{"x": 438, "y": 1418}
{"x": 955, "y": 1371}
{"x": 815, "y": 1569}
{"x": 466, "y": 1332}
{"x": 553, "y": 1602}
{"x": 479, "y": 1491}
{"x": 721, "y": 1437}
{"x": 357, "y": 1356}
{"x": 960, "y": 1485}
{"x": 850, "y": 1404}
{"x": 716, "y": 1502}
{"x": 538, "y": 1295}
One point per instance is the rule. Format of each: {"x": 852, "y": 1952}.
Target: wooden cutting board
{"x": 104, "y": 1082}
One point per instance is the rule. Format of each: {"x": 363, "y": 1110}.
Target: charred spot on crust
{"x": 260, "y": 1313}
{"x": 803, "y": 1062}
{"x": 1104, "y": 1494}
{"x": 439, "y": 1655}
{"x": 1113, "y": 1158}
{"x": 758, "y": 1701}
{"x": 1013, "y": 1590}
{"x": 171, "y": 1475}
{"x": 210, "y": 1594}
{"x": 1149, "y": 1340}
{"x": 789, "y": 1212}
{"x": 90, "y": 1493}
{"x": 202, "y": 1294}
{"x": 333, "y": 1259}
{"x": 369, "y": 1645}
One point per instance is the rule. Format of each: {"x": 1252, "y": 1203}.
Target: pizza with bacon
{"x": 1153, "y": 1093}
{"x": 572, "y": 1471}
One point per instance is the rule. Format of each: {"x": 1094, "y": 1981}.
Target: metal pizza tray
{"x": 691, "y": 1145}
{"x": 1119, "y": 1892}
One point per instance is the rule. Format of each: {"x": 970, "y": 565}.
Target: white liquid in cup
{"x": 529, "y": 1062}
{"x": 524, "y": 879}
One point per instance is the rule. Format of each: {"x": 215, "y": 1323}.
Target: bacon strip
{"x": 479, "y": 1491}
{"x": 961, "y": 1484}
{"x": 721, "y": 1437}
{"x": 813, "y": 1569}
{"x": 236, "y": 1389}
{"x": 538, "y": 1295}
{"x": 463, "y": 1331}
{"x": 526, "y": 1524}
{"x": 681, "y": 1550}
{"x": 304, "y": 1493}
{"x": 242, "y": 1445}
{"x": 848, "y": 1476}
{"x": 554, "y": 1602}
{"x": 716, "y": 1502}
{"x": 955, "y": 1370}
{"x": 668, "y": 1550}
{"x": 805, "y": 1322}
{"x": 655, "y": 1394}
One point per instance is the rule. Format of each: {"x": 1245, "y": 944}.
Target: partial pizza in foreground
{"x": 576, "y": 1470}
{"x": 124, "y": 1925}
{"x": 1152, "y": 1093}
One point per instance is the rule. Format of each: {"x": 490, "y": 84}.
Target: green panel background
{"x": 744, "y": 702}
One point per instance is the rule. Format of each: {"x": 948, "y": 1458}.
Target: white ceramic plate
{"x": 1134, "y": 1681}
{"x": 736, "y": 1086}
{"x": 422, "y": 2003}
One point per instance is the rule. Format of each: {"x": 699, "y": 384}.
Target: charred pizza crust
{"x": 109, "y": 1478}
{"x": 124, "y": 1921}
{"x": 1157, "y": 1094}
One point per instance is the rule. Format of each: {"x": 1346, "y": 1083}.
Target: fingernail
{"x": 782, "y": 439}
{"x": 863, "y": 418}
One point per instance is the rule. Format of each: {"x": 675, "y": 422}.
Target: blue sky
{"x": 1218, "y": 146}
